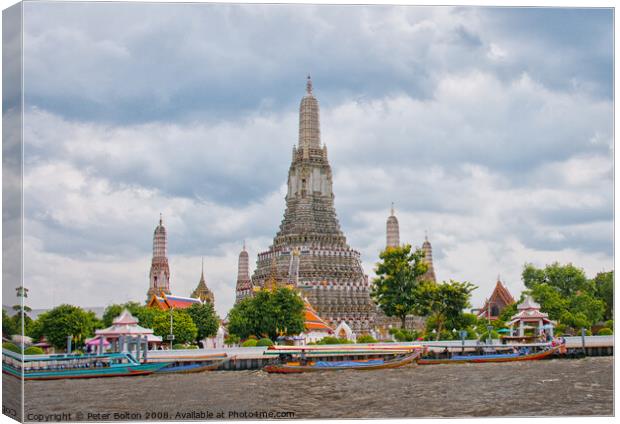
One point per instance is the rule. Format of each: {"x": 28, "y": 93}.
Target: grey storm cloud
{"x": 491, "y": 128}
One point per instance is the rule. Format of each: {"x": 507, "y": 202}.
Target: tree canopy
{"x": 568, "y": 296}
{"x": 63, "y": 321}
{"x": 444, "y": 303}
{"x": 267, "y": 314}
{"x": 183, "y": 326}
{"x": 205, "y": 318}
{"x": 397, "y": 278}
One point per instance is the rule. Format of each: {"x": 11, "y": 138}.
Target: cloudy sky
{"x": 490, "y": 128}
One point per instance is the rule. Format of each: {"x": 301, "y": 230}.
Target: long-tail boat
{"x": 54, "y": 367}
{"x": 523, "y": 355}
{"x": 369, "y": 364}
{"x": 190, "y": 363}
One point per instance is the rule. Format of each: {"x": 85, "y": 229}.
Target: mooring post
{"x": 583, "y": 341}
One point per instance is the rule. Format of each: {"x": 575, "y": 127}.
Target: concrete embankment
{"x": 248, "y": 358}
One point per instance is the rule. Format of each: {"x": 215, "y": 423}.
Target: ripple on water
{"x": 554, "y": 387}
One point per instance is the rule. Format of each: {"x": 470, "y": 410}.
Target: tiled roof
{"x": 313, "y": 322}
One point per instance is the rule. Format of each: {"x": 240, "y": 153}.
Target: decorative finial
{"x": 498, "y": 279}
{"x": 426, "y": 235}
{"x": 392, "y": 210}
{"x": 160, "y": 218}
{"x": 203, "y": 266}
{"x": 309, "y": 85}
{"x": 244, "y": 245}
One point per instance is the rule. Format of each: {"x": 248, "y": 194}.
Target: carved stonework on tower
{"x": 159, "y": 276}
{"x": 392, "y": 231}
{"x": 429, "y": 275}
{"x": 203, "y": 292}
{"x": 244, "y": 284}
{"x": 324, "y": 267}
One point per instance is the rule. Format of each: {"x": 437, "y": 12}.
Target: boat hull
{"x": 189, "y": 368}
{"x": 120, "y": 371}
{"x": 481, "y": 360}
{"x": 295, "y": 369}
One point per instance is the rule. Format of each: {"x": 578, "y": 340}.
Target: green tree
{"x": 604, "y": 289}
{"x": 394, "y": 288}
{"x": 183, "y": 327}
{"x": 566, "y": 279}
{"x": 113, "y": 311}
{"x": 443, "y": 302}
{"x": 8, "y": 325}
{"x": 267, "y": 314}
{"x": 205, "y": 318}
{"x": 564, "y": 292}
{"x": 66, "y": 320}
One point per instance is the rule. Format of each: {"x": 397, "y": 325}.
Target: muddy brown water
{"x": 556, "y": 387}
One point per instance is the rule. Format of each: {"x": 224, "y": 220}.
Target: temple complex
{"x": 244, "y": 283}
{"x": 203, "y": 292}
{"x": 159, "y": 276}
{"x": 310, "y": 251}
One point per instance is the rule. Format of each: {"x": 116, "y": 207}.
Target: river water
{"x": 540, "y": 388}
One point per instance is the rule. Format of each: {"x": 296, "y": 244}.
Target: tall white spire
{"x": 309, "y": 126}
{"x": 392, "y": 230}
{"x": 159, "y": 275}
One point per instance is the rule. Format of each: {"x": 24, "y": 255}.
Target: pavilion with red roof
{"x": 529, "y": 313}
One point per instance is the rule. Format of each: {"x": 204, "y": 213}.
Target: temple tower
{"x": 159, "y": 276}
{"x": 203, "y": 292}
{"x": 325, "y": 268}
{"x": 244, "y": 284}
{"x": 429, "y": 275}
{"x": 392, "y": 231}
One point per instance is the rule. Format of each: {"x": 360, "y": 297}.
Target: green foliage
{"x": 564, "y": 292}
{"x": 249, "y": 343}
{"x": 444, "y": 303}
{"x": 366, "y": 338}
{"x": 205, "y": 318}
{"x": 232, "y": 339}
{"x": 402, "y": 335}
{"x": 11, "y": 346}
{"x": 604, "y": 289}
{"x": 329, "y": 340}
{"x": 145, "y": 315}
{"x": 183, "y": 327}
{"x": 605, "y": 332}
{"x": 394, "y": 288}
{"x": 33, "y": 350}
{"x": 567, "y": 280}
{"x": 178, "y": 346}
{"x": 8, "y": 325}
{"x": 267, "y": 314}
{"x": 609, "y": 324}
{"x": 264, "y": 342}
{"x": 66, "y": 320}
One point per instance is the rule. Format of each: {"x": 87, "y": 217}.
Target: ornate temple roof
{"x": 312, "y": 320}
{"x": 500, "y": 297}
{"x": 167, "y": 301}
{"x": 202, "y": 292}
{"x": 125, "y": 325}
